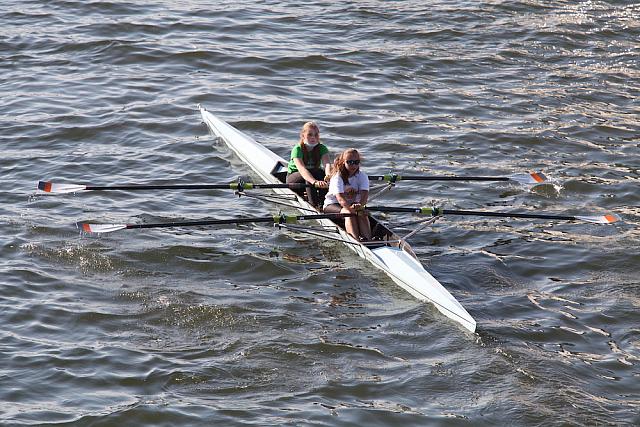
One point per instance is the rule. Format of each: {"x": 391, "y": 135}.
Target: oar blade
{"x": 532, "y": 178}
{"x": 100, "y": 228}
{"x": 51, "y": 187}
{"x": 601, "y": 219}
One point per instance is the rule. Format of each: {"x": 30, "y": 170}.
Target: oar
{"x": 51, "y": 187}
{"x": 526, "y": 178}
{"x": 599, "y": 219}
{"x": 276, "y": 219}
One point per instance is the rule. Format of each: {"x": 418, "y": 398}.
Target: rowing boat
{"x": 389, "y": 253}
{"x": 386, "y": 251}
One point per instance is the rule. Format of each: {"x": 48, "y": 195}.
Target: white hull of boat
{"x": 399, "y": 263}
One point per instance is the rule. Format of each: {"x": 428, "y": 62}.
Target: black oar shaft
{"x": 394, "y": 209}
{"x": 436, "y": 178}
{"x": 456, "y": 178}
{"x": 274, "y": 219}
{"x": 503, "y": 214}
{"x": 202, "y": 222}
{"x": 438, "y": 211}
{"x": 233, "y": 186}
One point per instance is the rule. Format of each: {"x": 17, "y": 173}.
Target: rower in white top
{"x": 348, "y": 193}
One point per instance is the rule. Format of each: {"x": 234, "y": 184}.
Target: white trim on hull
{"x": 400, "y": 264}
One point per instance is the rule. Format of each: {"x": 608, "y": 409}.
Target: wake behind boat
{"x": 388, "y": 252}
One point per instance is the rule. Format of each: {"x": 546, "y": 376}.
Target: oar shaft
{"x": 503, "y": 214}
{"x": 529, "y": 178}
{"x": 397, "y": 209}
{"x": 439, "y": 211}
{"x": 276, "y": 219}
{"x": 232, "y": 186}
{"x": 436, "y": 178}
{"x": 600, "y": 219}
{"x": 201, "y": 222}
{"x": 51, "y": 187}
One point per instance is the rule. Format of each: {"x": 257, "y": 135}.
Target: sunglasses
{"x": 353, "y": 162}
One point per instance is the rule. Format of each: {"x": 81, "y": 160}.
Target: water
{"x": 252, "y": 326}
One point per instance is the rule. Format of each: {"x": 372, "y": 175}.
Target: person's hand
{"x": 350, "y": 209}
{"x": 357, "y": 208}
{"x": 321, "y": 184}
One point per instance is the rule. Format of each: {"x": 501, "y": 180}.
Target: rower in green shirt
{"x": 310, "y": 163}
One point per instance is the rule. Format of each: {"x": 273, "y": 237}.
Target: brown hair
{"x": 339, "y": 164}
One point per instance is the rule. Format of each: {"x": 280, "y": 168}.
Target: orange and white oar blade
{"x": 529, "y": 178}
{"x": 50, "y": 187}
{"x": 602, "y": 219}
{"x": 100, "y": 228}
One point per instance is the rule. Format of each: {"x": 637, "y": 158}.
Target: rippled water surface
{"x": 248, "y": 325}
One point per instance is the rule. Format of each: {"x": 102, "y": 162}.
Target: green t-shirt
{"x": 296, "y": 153}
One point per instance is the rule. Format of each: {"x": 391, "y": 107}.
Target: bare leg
{"x": 351, "y": 225}
{"x": 364, "y": 227}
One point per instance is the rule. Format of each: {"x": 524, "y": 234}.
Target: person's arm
{"x": 364, "y": 193}
{"x": 303, "y": 170}
{"x": 336, "y": 186}
{"x": 344, "y": 203}
{"x": 364, "y": 196}
{"x": 326, "y": 161}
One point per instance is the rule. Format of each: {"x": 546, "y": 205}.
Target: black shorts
{"x": 332, "y": 208}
